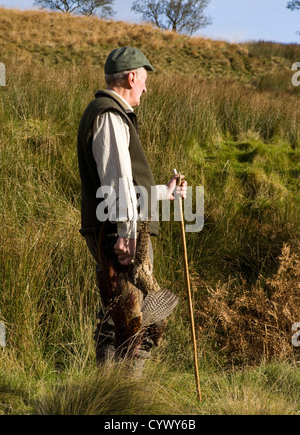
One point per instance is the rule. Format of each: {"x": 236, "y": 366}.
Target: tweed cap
{"x": 125, "y": 59}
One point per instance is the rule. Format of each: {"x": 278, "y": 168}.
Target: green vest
{"x": 90, "y": 182}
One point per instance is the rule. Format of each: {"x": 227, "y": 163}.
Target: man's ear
{"x": 131, "y": 78}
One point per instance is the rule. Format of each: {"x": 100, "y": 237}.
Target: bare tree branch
{"x": 103, "y": 8}
{"x": 295, "y": 4}
{"x": 182, "y": 16}
{"x": 151, "y": 10}
{"x": 292, "y": 5}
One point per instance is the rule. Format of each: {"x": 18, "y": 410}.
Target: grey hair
{"x": 118, "y": 79}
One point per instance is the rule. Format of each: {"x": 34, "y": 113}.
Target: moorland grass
{"x": 239, "y": 142}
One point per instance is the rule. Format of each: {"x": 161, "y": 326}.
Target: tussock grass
{"x": 266, "y": 390}
{"x": 164, "y": 389}
{"x": 107, "y": 391}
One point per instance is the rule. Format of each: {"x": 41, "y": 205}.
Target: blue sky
{"x": 233, "y": 20}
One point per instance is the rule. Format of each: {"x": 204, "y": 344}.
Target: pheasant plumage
{"x": 141, "y": 307}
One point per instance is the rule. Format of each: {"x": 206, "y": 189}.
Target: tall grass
{"x": 269, "y": 389}
{"x": 223, "y": 137}
{"x": 242, "y": 145}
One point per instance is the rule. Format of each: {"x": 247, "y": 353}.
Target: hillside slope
{"x": 39, "y": 36}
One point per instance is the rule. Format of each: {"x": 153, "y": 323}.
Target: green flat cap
{"x": 126, "y": 58}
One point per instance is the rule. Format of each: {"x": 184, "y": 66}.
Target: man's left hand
{"x": 174, "y": 190}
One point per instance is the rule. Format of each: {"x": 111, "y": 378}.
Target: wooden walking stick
{"x": 188, "y": 287}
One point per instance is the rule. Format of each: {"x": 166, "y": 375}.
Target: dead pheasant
{"x": 158, "y": 303}
{"x": 142, "y": 304}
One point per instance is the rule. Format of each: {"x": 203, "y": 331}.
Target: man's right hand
{"x": 125, "y": 250}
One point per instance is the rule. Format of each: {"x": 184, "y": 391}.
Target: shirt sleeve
{"x": 111, "y": 152}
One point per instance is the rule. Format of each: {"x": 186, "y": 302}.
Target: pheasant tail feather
{"x": 157, "y": 306}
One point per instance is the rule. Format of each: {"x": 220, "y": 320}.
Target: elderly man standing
{"x": 109, "y": 150}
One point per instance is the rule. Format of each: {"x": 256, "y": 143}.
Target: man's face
{"x": 139, "y": 86}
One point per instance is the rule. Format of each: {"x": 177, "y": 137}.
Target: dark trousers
{"x": 116, "y": 335}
